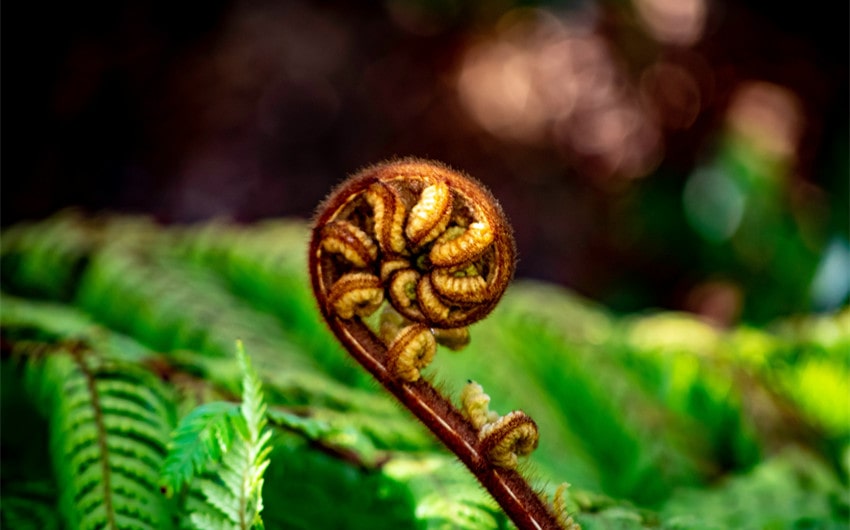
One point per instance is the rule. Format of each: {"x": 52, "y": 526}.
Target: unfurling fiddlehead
{"x": 434, "y": 250}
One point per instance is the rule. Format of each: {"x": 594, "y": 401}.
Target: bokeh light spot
{"x": 831, "y": 284}
{"x": 674, "y": 92}
{"x": 680, "y": 22}
{"x": 768, "y": 116}
{"x": 714, "y": 204}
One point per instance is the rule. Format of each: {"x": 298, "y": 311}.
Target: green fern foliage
{"x": 201, "y": 438}
{"x": 225, "y": 447}
{"x": 108, "y": 423}
{"x": 656, "y": 420}
{"x": 46, "y": 259}
{"x": 260, "y": 263}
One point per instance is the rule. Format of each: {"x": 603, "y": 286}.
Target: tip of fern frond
{"x": 242, "y": 357}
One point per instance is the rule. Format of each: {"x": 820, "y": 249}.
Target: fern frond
{"x": 49, "y": 323}
{"x": 226, "y": 446}
{"x": 793, "y": 489}
{"x": 200, "y": 440}
{"x": 108, "y": 426}
{"x": 46, "y": 258}
{"x": 170, "y": 305}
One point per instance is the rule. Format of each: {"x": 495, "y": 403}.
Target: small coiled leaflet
{"x": 502, "y": 438}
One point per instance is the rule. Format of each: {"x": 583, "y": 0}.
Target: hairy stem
{"x": 513, "y": 493}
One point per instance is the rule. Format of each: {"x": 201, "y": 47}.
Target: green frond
{"x": 45, "y": 259}
{"x": 107, "y": 447}
{"x": 265, "y": 264}
{"x": 243, "y": 465}
{"x": 57, "y": 325}
{"x": 171, "y": 305}
{"x": 226, "y": 448}
{"x": 107, "y": 429}
{"x": 199, "y": 441}
{"x": 796, "y": 485}
{"x": 235, "y": 492}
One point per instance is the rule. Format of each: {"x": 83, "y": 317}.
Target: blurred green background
{"x": 676, "y": 172}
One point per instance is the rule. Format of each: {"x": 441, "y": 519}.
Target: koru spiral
{"x": 432, "y": 243}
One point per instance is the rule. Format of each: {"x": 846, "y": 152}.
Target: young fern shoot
{"x": 433, "y": 248}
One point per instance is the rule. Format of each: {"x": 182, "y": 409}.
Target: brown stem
{"x": 516, "y": 497}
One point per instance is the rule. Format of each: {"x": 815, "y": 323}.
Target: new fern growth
{"x": 428, "y": 251}
{"x": 218, "y": 454}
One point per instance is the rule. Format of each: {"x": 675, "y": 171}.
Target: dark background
{"x": 254, "y": 109}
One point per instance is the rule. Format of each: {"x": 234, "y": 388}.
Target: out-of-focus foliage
{"x": 657, "y": 420}
{"x": 685, "y": 154}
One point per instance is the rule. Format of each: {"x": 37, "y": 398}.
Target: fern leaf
{"x": 200, "y": 439}
{"x": 170, "y": 305}
{"x": 226, "y": 447}
{"x": 235, "y": 492}
{"x": 106, "y": 448}
{"x": 46, "y": 258}
{"x": 243, "y": 465}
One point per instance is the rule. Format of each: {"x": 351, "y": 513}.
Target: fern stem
{"x": 507, "y": 486}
